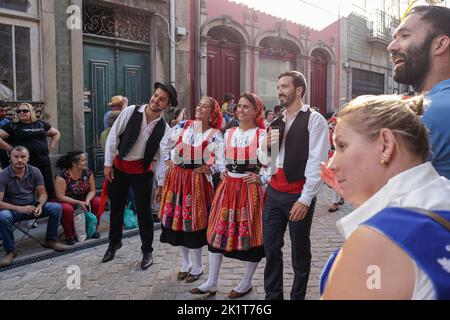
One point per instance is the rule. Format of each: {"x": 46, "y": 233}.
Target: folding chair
{"x": 26, "y": 229}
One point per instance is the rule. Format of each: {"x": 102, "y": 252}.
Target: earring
{"x": 383, "y": 162}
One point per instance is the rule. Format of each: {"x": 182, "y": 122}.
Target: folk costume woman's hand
{"x": 205, "y": 169}
{"x": 252, "y": 178}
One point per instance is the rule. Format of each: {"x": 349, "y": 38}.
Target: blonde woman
{"x": 32, "y": 133}
{"x": 397, "y": 237}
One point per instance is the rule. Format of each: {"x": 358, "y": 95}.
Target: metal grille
{"x": 383, "y": 25}
{"x": 115, "y": 23}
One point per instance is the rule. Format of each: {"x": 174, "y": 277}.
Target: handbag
{"x": 79, "y": 222}
{"x": 91, "y": 224}
{"x": 129, "y": 218}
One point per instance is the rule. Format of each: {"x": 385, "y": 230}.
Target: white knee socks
{"x": 246, "y": 281}
{"x": 215, "y": 261}
{"x": 197, "y": 267}
{"x": 187, "y": 264}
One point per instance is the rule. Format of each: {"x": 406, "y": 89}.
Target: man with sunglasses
{"x": 130, "y": 149}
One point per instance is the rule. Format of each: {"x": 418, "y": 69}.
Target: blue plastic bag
{"x": 91, "y": 224}
{"x": 129, "y": 218}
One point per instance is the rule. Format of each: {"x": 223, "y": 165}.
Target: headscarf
{"x": 216, "y": 114}
{"x": 259, "y": 121}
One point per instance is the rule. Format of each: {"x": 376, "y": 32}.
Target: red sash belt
{"x": 129, "y": 167}
{"x": 280, "y": 183}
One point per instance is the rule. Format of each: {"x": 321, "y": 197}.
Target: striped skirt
{"x": 235, "y": 222}
{"x": 185, "y": 203}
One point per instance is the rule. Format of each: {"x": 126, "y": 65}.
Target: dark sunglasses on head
{"x": 23, "y": 111}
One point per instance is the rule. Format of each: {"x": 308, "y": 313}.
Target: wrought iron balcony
{"x": 381, "y": 28}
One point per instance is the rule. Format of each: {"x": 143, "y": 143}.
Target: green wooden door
{"x": 110, "y": 71}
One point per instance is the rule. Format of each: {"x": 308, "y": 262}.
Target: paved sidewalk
{"x": 123, "y": 279}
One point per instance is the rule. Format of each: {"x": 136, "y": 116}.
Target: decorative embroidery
{"x": 445, "y": 263}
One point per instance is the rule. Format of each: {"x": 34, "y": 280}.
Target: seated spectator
{"x": 75, "y": 185}
{"x": 395, "y": 248}
{"x": 18, "y": 186}
{"x": 104, "y": 135}
{"x": 32, "y": 133}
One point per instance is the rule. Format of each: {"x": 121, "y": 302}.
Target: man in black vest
{"x": 298, "y": 142}
{"x": 130, "y": 148}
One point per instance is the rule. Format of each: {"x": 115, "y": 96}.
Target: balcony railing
{"x": 382, "y": 27}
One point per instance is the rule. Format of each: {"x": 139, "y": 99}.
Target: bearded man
{"x": 420, "y": 52}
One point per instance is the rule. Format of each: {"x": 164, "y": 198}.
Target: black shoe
{"x": 111, "y": 252}
{"x": 147, "y": 260}
{"x": 96, "y": 235}
{"x": 70, "y": 241}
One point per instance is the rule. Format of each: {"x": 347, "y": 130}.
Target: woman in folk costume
{"x": 235, "y": 222}
{"x": 189, "y": 149}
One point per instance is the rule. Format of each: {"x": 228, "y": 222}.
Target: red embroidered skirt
{"x": 185, "y": 203}
{"x": 235, "y": 222}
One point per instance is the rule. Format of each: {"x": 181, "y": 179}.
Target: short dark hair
{"x": 277, "y": 109}
{"x": 266, "y": 113}
{"x": 3, "y": 104}
{"x": 228, "y": 97}
{"x": 438, "y": 17}
{"x": 298, "y": 79}
{"x": 20, "y": 149}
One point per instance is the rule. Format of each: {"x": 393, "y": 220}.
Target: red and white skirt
{"x": 235, "y": 222}
{"x": 185, "y": 203}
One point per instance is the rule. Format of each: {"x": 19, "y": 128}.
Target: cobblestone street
{"x": 123, "y": 279}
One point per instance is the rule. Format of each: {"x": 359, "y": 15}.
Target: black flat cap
{"x": 170, "y": 90}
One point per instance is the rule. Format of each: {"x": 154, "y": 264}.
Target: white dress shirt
{"x": 319, "y": 144}
{"x": 138, "y": 150}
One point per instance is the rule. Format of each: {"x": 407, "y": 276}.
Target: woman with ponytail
{"x": 235, "y": 222}
{"x": 75, "y": 185}
{"x": 189, "y": 151}
{"x": 397, "y": 237}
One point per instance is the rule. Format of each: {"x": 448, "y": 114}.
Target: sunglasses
{"x": 23, "y": 111}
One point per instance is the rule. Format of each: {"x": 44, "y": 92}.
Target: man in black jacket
{"x": 302, "y": 136}
{"x": 131, "y": 146}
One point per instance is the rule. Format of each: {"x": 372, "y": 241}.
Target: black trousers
{"x": 141, "y": 184}
{"x": 47, "y": 174}
{"x": 275, "y": 219}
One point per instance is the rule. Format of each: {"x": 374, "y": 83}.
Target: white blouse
{"x": 418, "y": 187}
{"x": 242, "y": 139}
{"x": 195, "y": 139}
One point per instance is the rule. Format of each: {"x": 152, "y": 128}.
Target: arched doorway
{"x": 223, "y": 65}
{"x": 319, "y": 80}
{"x": 276, "y": 56}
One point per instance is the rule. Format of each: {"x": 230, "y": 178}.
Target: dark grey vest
{"x": 129, "y": 137}
{"x": 297, "y": 145}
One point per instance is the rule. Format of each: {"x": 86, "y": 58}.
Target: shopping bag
{"x": 129, "y": 218}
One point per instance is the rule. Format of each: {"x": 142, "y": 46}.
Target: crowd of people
{"x": 234, "y": 177}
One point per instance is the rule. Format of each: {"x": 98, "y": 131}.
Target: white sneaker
{"x": 32, "y": 224}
